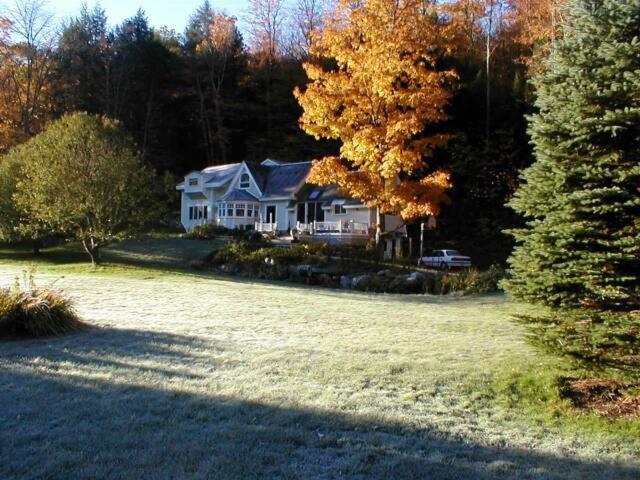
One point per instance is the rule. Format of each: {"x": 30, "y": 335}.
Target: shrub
{"x": 26, "y": 310}
{"x": 471, "y": 281}
{"x": 207, "y": 232}
{"x": 255, "y": 256}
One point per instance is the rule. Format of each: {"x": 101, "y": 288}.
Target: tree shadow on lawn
{"x": 61, "y": 425}
{"x": 168, "y": 255}
{"x": 123, "y": 349}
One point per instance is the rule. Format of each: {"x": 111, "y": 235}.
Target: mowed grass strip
{"x": 204, "y": 377}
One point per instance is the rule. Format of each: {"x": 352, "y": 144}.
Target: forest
{"x": 216, "y": 93}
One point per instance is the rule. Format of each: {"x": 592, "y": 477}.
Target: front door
{"x": 271, "y": 214}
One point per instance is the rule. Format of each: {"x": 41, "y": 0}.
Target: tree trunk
{"x": 220, "y": 127}
{"x": 36, "y": 245}
{"x": 488, "y": 95}
{"x": 93, "y": 250}
{"x": 380, "y": 226}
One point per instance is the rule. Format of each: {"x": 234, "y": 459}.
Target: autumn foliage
{"x": 381, "y": 97}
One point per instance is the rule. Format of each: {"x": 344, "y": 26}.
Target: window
{"x": 199, "y": 213}
{"x": 339, "y": 210}
{"x": 240, "y": 209}
{"x": 245, "y": 182}
{"x": 193, "y": 182}
{"x": 229, "y": 209}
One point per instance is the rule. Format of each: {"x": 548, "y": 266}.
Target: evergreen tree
{"x": 580, "y": 249}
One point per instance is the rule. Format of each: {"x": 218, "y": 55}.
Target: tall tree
{"x": 140, "y": 72}
{"x": 538, "y": 24}
{"x": 382, "y": 101}
{"x": 83, "y": 61}
{"x": 580, "y": 249}
{"x": 306, "y": 19}
{"x": 266, "y": 19}
{"x": 216, "y": 59}
{"x": 26, "y": 67}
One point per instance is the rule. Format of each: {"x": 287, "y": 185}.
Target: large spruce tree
{"x": 580, "y": 250}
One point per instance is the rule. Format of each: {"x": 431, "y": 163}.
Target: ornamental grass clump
{"x": 28, "y": 311}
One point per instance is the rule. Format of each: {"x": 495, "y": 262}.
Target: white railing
{"x": 266, "y": 227}
{"x": 345, "y": 227}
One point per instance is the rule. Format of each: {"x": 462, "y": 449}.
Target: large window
{"x": 245, "y": 181}
{"x": 339, "y": 210}
{"x": 238, "y": 210}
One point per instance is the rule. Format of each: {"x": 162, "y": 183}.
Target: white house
{"x": 274, "y": 197}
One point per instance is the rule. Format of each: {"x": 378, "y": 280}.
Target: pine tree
{"x": 580, "y": 250}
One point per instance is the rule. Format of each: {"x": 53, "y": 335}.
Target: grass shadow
{"x": 58, "y": 422}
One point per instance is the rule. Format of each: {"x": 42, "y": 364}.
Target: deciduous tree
{"x": 25, "y": 70}
{"x": 83, "y": 176}
{"x": 382, "y": 100}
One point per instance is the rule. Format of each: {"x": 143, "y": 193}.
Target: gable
{"x": 245, "y": 180}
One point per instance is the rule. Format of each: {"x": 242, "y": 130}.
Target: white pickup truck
{"x": 445, "y": 259}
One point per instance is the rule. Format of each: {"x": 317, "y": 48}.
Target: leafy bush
{"x": 26, "y": 310}
{"x": 255, "y": 256}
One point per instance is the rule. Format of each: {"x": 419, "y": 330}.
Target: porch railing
{"x": 339, "y": 227}
{"x": 266, "y": 227}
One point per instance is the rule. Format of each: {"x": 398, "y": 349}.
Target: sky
{"x": 171, "y": 13}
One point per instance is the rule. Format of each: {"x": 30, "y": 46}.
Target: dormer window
{"x": 245, "y": 181}
{"x": 193, "y": 182}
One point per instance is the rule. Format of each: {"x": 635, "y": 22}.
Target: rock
{"x": 232, "y": 269}
{"x": 411, "y": 283}
{"x": 198, "y": 265}
{"x": 361, "y": 282}
{"x": 303, "y": 270}
{"x": 345, "y": 281}
{"x": 325, "y": 280}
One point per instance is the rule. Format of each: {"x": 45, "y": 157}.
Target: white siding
{"x": 282, "y": 214}
{"x": 361, "y": 215}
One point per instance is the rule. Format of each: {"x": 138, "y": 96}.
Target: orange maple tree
{"x": 538, "y": 25}
{"x": 380, "y": 98}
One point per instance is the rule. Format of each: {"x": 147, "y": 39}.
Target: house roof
{"x": 274, "y": 179}
{"x": 236, "y": 195}
{"x": 284, "y": 180}
{"x": 219, "y": 175}
{"x": 327, "y": 195}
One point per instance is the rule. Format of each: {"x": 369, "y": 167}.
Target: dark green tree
{"x": 580, "y": 250}
{"x": 82, "y": 63}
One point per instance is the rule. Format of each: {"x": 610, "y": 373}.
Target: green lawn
{"x": 195, "y": 376}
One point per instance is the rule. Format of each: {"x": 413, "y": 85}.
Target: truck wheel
{"x": 443, "y": 266}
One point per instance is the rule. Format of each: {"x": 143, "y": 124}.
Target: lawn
{"x": 195, "y": 376}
